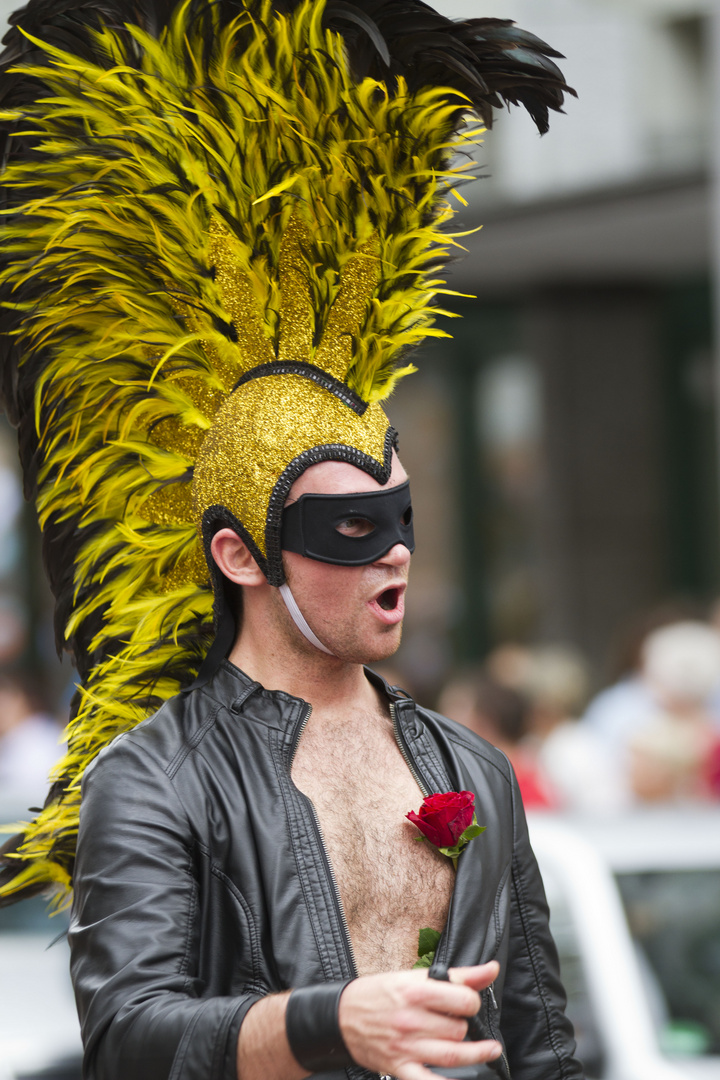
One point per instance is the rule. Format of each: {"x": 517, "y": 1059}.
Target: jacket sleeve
{"x": 538, "y": 1035}
{"x": 132, "y": 935}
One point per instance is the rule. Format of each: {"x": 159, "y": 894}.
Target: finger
{"x": 477, "y": 977}
{"x": 448, "y": 1055}
{"x": 435, "y": 1025}
{"x": 453, "y": 999}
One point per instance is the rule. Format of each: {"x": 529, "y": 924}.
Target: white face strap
{"x": 299, "y": 619}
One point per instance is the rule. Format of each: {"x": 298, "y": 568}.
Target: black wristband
{"x": 313, "y": 1030}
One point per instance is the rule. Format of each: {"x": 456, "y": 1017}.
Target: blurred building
{"x": 568, "y": 427}
{"x": 564, "y": 438}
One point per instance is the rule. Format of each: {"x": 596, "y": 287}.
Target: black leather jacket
{"x": 202, "y": 884}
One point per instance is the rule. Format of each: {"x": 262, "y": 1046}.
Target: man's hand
{"x": 392, "y": 1023}
{"x": 399, "y": 1022}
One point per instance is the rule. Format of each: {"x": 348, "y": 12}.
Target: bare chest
{"x": 390, "y": 885}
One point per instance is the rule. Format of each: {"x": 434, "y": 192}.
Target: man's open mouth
{"x": 388, "y": 600}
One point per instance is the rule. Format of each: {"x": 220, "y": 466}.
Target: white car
{"x": 635, "y": 912}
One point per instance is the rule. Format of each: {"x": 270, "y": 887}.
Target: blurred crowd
{"x": 652, "y": 736}
{"x": 30, "y": 743}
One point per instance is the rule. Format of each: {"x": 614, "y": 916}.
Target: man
{"x": 243, "y": 841}
{"x": 230, "y": 244}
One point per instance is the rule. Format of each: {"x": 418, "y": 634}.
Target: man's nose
{"x": 398, "y": 555}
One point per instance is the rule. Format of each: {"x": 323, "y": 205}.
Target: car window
{"x": 674, "y": 918}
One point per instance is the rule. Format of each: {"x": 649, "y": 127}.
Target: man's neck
{"x": 326, "y": 682}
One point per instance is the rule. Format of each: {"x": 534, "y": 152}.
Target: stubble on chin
{"x": 345, "y": 640}
{"x": 351, "y": 647}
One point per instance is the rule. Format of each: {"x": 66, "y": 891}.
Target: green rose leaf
{"x": 471, "y": 832}
{"x": 427, "y": 944}
{"x": 451, "y": 852}
{"x": 427, "y": 940}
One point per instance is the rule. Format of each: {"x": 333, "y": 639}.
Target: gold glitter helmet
{"x": 295, "y": 407}
{"x": 223, "y": 226}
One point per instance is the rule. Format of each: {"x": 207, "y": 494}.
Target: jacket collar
{"x": 232, "y": 686}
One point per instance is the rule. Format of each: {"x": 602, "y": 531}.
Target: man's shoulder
{"x": 157, "y": 739}
{"x": 180, "y": 725}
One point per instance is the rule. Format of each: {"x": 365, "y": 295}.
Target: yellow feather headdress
{"x": 219, "y": 247}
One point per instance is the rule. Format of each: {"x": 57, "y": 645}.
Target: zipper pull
{"x": 491, "y": 994}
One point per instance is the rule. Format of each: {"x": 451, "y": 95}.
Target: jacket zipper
{"x": 350, "y": 952}
{"x": 493, "y": 1001}
{"x": 403, "y": 750}
{"x": 338, "y": 899}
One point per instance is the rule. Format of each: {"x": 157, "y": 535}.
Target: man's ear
{"x": 234, "y": 559}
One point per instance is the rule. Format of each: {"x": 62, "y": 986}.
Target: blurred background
{"x": 565, "y": 598}
{"x": 566, "y": 437}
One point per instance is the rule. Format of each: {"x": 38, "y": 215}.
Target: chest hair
{"x": 390, "y": 884}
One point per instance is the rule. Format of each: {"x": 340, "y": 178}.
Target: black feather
{"x": 353, "y": 14}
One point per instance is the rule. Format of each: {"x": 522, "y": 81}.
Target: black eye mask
{"x": 310, "y": 525}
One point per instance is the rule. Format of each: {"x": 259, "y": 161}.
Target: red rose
{"x": 444, "y": 818}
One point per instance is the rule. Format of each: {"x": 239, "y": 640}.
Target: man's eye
{"x": 407, "y": 516}
{"x": 355, "y": 527}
